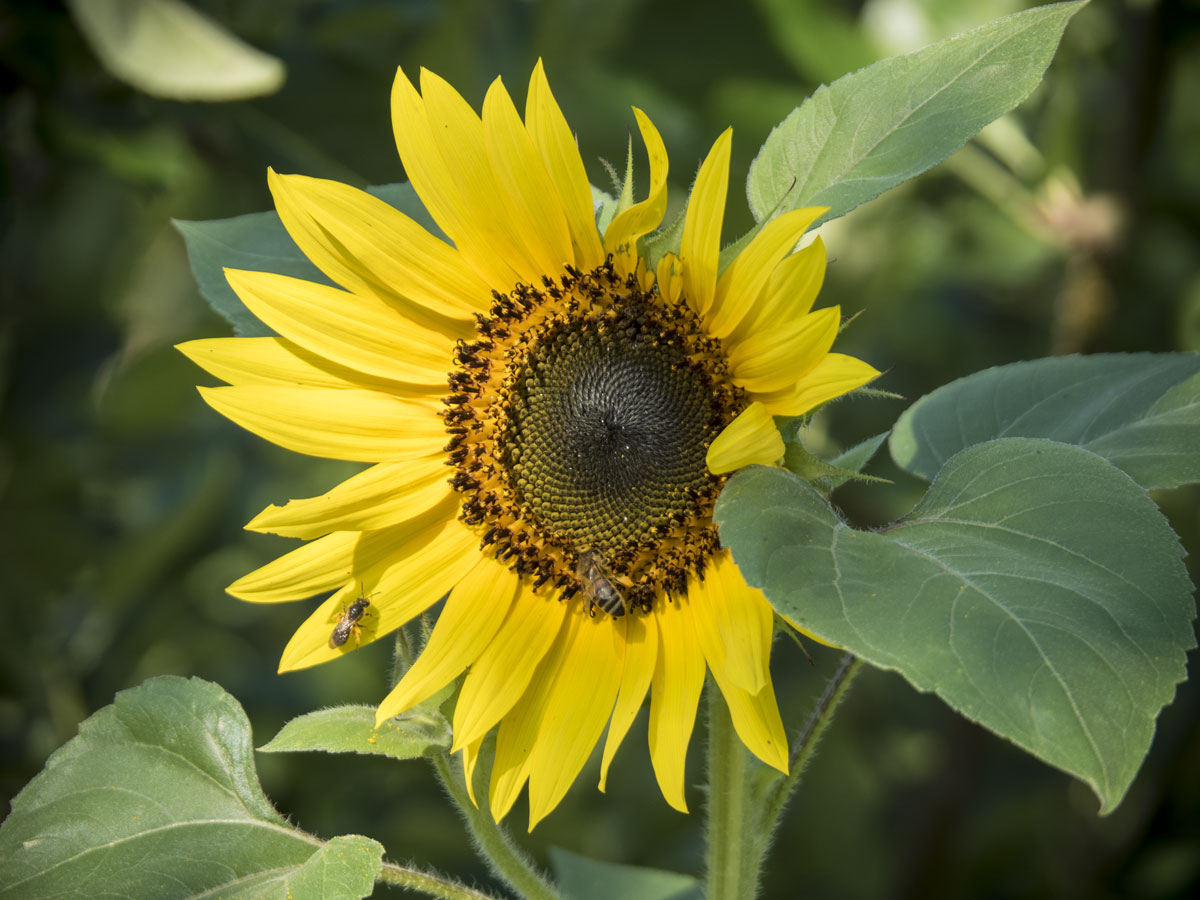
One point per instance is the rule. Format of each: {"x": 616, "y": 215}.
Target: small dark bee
{"x": 351, "y": 616}
{"x": 598, "y": 589}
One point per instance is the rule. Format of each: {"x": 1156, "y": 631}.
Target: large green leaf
{"x": 1140, "y": 411}
{"x": 1035, "y": 588}
{"x": 157, "y": 796}
{"x": 871, "y": 130}
{"x": 255, "y": 241}
{"x": 260, "y": 243}
{"x": 351, "y": 729}
{"x": 582, "y": 878}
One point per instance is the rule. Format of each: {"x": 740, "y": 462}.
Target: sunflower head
{"x": 549, "y": 424}
{"x": 579, "y": 424}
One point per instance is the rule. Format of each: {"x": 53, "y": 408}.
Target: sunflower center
{"x": 579, "y": 425}
{"x": 607, "y": 431}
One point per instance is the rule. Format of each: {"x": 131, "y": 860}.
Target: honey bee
{"x": 351, "y": 616}
{"x": 598, "y": 589}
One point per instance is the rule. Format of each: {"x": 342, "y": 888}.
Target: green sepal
{"x": 606, "y": 207}
{"x": 665, "y": 240}
{"x": 828, "y": 475}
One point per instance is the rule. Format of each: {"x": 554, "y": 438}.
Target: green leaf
{"x": 157, "y": 796}
{"x": 877, "y": 127}
{"x": 422, "y": 731}
{"x": 260, "y": 243}
{"x": 582, "y": 878}
{"x": 167, "y": 49}
{"x": 1035, "y": 588}
{"x": 256, "y": 241}
{"x": 1140, "y": 411}
{"x": 345, "y": 867}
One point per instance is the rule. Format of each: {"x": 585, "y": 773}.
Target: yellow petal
{"x": 274, "y": 361}
{"x": 370, "y": 247}
{"x": 641, "y": 653}
{"x": 771, "y": 361}
{"x": 674, "y": 694}
{"x": 382, "y": 496}
{"x": 554, "y": 141}
{"x": 836, "y": 374}
{"x": 459, "y": 199}
{"x": 701, "y": 244}
{"x": 789, "y": 294}
{"x": 518, "y": 732}
{"x": 361, "y": 426}
{"x": 460, "y": 138}
{"x": 504, "y": 669}
{"x": 470, "y": 756}
{"x": 756, "y": 721}
{"x": 755, "y": 715}
{"x": 358, "y": 331}
{"x": 314, "y": 568}
{"x": 621, "y": 236}
{"x": 750, "y": 438}
{"x": 645, "y": 278}
{"x": 535, "y": 210}
{"x": 577, "y": 708}
{"x": 748, "y": 275}
{"x": 808, "y": 634}
{"x": 670, "y": 278}
{"x": 328, "y": 562}
{"x": 736, "y": 622}
{"x": 466, "y": 625}
{"x": 425, "y": 558}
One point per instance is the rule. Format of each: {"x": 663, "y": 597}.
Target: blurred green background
{"x": 1073, "y": 226}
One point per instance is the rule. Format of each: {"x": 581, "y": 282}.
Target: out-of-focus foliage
{"x": 1073, "y": 225}
{"x": 167, "y": 49}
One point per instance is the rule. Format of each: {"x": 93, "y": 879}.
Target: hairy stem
{"x": 505, "y": 859}
{"x": 433, "y": 885}
{"x": 492, "y": 842}
{"x": 777, "y": 795}
{"x": 735, "y": 847}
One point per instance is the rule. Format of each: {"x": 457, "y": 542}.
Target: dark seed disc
{"x": 607, "y": 431}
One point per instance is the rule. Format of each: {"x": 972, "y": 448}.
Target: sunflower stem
{"x": 495, "y": 847}
{"x": 776, "y": 796}
{"x": 735, "y": 846}
{"x": 426, "y": 883}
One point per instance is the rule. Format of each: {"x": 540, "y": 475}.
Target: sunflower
{"x": 549, "y": 423}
